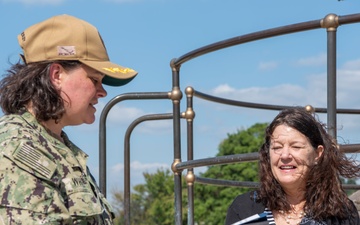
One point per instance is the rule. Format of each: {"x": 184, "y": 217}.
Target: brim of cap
{"x": 115, "y": 75}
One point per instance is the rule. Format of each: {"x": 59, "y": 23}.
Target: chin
{"x": 89, "y": 120}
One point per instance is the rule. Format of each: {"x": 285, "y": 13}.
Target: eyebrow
{"x": 97, "y": 73}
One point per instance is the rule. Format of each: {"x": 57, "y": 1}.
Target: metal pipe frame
{"x": 330, "y": 22}
{"x": 127, "y": 158}
{"x": 102, "y": 127}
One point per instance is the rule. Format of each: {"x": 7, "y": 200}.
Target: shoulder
{"x": 352, "y": 218}
{"x": 13, "y": 126}
{"x": 247, "y": 199}
{"x": 22, "y": 146}
{"x": 11, "y": 118}
{"x": 355, "y": 198}
{"x": 243, "y": 206}
{"x": 15, "y": 130}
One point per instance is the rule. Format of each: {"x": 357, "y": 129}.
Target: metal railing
{"x": 330, "y": 23}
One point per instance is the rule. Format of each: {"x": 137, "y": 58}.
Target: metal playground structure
{"x": 329, "y": 23}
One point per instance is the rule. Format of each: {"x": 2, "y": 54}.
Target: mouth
{"x": 287, "y": 167}
{"x": 92, "y": 104}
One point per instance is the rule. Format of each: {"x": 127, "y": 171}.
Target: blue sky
{"x": 147, "y": 34}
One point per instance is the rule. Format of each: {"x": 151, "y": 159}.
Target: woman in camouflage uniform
{"x": 44, "y": 178}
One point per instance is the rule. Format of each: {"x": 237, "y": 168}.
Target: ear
{"x": 55, "y": 73}
{"x": 319, "y": 151}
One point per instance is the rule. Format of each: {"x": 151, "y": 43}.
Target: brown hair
{"x": 324, "y": 195}
{"x": 26, "y": 84}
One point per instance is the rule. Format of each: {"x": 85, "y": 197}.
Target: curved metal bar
{"x": 247, "y": 38}
{"x": 263, "y": 106}
{"x": 352, "y": 18}
{"x": 310, "y": 25}
{"x": 351, "y": 186}
{"x": 219, "y": 182}
{"x": 127, "y": 157}
{"x": 350, "y": 148}
{"x": 102, "y": 127}
{"x": 249, "y": 184}
{"x": 248, "y": 157}
{"x": 237, "y": 103}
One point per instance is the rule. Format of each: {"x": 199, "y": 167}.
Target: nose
{"x": 285, "y": 153}
{"x": 101, "y": 92}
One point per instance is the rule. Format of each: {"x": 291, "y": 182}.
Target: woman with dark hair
{"x": 44, "y": 178}
{"x": 300, "y": 170}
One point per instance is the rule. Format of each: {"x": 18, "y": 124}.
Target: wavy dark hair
{"x": 29, "y": 84}
{"x": 325, "y": 197}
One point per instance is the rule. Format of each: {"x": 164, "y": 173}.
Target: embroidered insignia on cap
{"x": 119, "y": 70}
{"x": 66, "y": 50}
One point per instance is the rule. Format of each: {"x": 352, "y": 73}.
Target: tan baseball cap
{"x": 66, "y": 37}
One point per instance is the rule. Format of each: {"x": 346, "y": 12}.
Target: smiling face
{"x": 80, "y": 88}
{"x": 291, "y": 156}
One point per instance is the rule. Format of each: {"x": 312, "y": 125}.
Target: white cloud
{"x": 124, "y": 116}
{"x": 267, "y": 65}
{"x": 352, "y": 65}
{"x": 137, "y": 167}
{"x": 136, "y": 172}
{"x": 314, "y": 92}
{"x": 223, "y": 89}
{"x": 318, "y": 60}
{"x": 121, "y": 115}
{"x": 284, "y": 94}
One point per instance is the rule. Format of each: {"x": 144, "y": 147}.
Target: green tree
{"x": 211, "y": 202}
{"x": 137, "y": 212}
{"x": 152, "y": 203}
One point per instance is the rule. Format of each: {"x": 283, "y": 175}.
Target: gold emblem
{"x": 119, "y": 70}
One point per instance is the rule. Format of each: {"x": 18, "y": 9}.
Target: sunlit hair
{"x": 324, "y": 194}
{"x": 29, "y": 84}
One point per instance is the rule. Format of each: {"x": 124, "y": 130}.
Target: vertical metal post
{"x": 176, "y": 96}
{"x": 127, "y": 196}
{"x": 102, "y": 151}
{"x": 190, "y": 178}
{"x": 331, "y": 23}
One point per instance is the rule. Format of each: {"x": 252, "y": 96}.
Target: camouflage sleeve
{"x": 35, "y": 188}
{"x": 29, "y": 188}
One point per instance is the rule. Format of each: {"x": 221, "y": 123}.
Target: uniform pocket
{"x": 81, "y": 200}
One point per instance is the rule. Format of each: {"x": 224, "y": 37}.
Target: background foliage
{"x": 152, "y": 203}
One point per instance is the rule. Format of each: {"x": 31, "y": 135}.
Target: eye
{"x": 297, "y": 145}
{"x": 276, "y": 149}
{"x": 94, "y": 80}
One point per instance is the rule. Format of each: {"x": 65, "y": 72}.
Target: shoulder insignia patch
{"x": 35, "y": 160}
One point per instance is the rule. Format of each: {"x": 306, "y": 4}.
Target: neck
{"x": 295, "y": 197}
{"x": 51, "y": 126}
{"x": 54, "y": 129}
{"x": 293, "y": 216}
